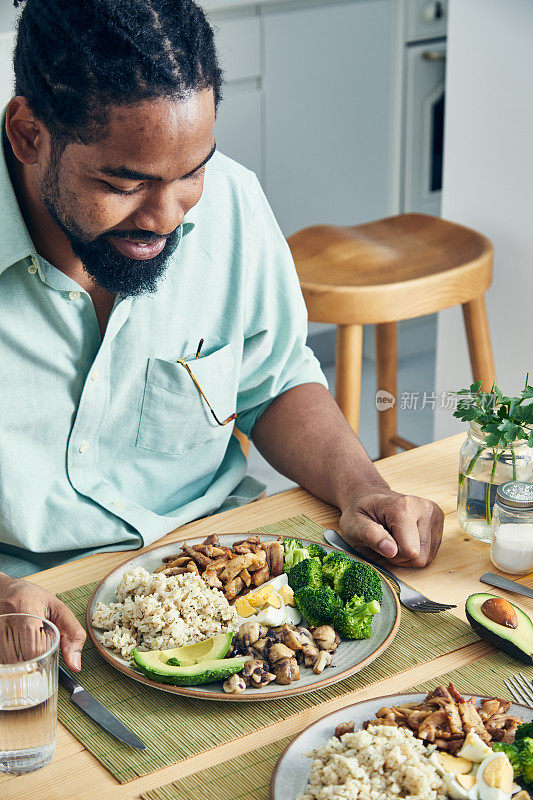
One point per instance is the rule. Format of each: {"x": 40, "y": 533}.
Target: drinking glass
{"x": 28, "y": 692}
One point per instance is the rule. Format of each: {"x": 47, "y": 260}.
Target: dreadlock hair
{"x": 73, "y": 58}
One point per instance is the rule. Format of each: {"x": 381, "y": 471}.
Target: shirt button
{"x": 95, "y": 374}
{"x": 84, "y": 446}
{"x": 74, "y": 295}
{"x": 32, "y": 269}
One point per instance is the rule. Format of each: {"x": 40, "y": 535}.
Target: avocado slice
{"x": 208, "y": 650}
{"x": 154, "y": 667}
{"x": 515, "y": 641}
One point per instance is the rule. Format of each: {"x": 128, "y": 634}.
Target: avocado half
{"x": 156, "y": 669}
{"x": 516, "y": 642}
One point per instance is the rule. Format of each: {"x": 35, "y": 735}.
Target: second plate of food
{"x": 135, "y": 606}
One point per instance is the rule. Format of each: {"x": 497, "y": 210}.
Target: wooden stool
{"x": 379, "y": 273}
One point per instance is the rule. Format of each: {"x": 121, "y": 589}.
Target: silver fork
{"x": 410, "y": 598}
{"x": 520, "y": 688}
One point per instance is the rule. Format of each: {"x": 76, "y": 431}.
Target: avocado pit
{"x": 500, "y": 611}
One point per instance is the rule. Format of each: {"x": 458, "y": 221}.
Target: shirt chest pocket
{"x": 175, "y": 418}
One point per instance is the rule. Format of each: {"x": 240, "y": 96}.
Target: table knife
{"x": 97, "y": 712}
{"x": 504, "y": 583}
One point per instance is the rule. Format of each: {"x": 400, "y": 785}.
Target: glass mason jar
{"x": 511, "y": 549}
{"x": 481, "y": 470}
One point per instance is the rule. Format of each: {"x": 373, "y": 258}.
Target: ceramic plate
{"x": 350, "y": 657}
{"x": 290, "y": 776}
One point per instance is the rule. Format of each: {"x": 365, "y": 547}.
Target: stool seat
{"x": 392, "y": 269}
{"x": 379, "y": 273}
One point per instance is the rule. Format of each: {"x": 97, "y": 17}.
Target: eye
{"x": 115, "y": 190}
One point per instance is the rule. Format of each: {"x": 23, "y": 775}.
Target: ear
{"x": 25, "y": 132}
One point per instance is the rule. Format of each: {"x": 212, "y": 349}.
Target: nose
{"x": 161, "y": 212}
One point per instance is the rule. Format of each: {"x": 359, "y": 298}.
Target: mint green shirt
{"x": 106, "y": 444}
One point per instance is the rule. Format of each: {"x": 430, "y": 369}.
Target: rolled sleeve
{"x": 275, "y": 355}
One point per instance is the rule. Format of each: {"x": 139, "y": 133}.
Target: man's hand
{"x": 405, "y": 529}
{"x": 17, "y": 596}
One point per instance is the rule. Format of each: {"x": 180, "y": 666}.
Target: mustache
{"x": 138, "y": 236}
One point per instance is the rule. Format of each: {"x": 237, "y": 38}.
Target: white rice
{"x": 156, "y": 612}
{"x": 377, "y": 764}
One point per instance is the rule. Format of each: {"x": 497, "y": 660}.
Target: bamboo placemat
{"x": 175, "y": 728}
{"x": 483, "y": 677}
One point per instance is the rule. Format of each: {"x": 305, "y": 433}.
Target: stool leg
{"x": 479, "y": 345}
{"x": 386, "y": 375}
{"x": 348, "y": 364}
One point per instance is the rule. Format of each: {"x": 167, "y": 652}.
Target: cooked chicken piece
{"x": 202, "y": 560}
{"x": 455, "y": 694}
{"x": 454, "y": 719}
{"x": 274, "y": 552}
{"x": 192, "y": 566}
{"x": 232, "y": 588}
{"x": 384, "y": 711}
{"x": 248, "y": 540}
{"x": 246, "y": 577}
{"x": 218, "y": 564}
{"x": 257, "y": 560}
{"x": 174, "y": 561}
{"x": 212, "y": 539}
{"x": 438, "y": 702}
{"x": 212, "y": 579}
{"x": 440, "y": 691}
{"x": 472, "y": 721}
{"x": 502, "y": 728}
{"x": 261, "y": 576}
{"x": 214, "y": 552}
{"x": 417, "y": 717}
{"x": 236, "y": 565}
{"x": 435, "y": 726}
{"x": 344, "y": 727}
{"x": 391, "y": 723}
{"x": 493, "y": 705}
{"x": 242, "y": 549}
{"x": 169, "y": 571}
{"x": 451, "y": 746}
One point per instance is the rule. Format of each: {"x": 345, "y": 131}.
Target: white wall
{"x": 488, "y": 181}
{"x": 8, "y": 16}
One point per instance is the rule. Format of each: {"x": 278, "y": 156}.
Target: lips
{"x": 141, "y": 251}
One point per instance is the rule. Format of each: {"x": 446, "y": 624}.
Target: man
{"x": 148, "y": 300}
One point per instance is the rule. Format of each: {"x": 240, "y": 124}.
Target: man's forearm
{"x": 304, "y": 436}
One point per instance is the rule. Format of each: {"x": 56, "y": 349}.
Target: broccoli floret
{"x": 293, "y": 553}
{"x": 524, "y": 731}
{"x": 334, "y": 566}
{"x": 315, "y": 551}
{"x": 318, "y": 606}
{"x": 362, "y": 581}
{"x": 525, "y": 749}
{"x": 511, "y": 751}
{"x": 354, "y": 621}
{"x": 306, "y": 573}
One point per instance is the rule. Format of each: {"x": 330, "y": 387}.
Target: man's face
{"x": 121, "y": 200}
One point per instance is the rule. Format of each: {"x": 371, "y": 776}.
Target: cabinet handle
{"x": 434, "y": 55}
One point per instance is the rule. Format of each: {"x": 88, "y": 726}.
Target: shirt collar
{"x": 15, "y": 241}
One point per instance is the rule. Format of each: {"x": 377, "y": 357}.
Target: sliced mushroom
{"x": 286, "y": 670}
{"x": 291, "y": 638}
{"x": 255, "y": 673}
{"x": 324, "y": 637}
{"x": 234, "y": 684}
{"x": 344, "y": 727}
{"x": 251, "y": 632}
{"x": 279, "y": 651}
{"x": 263, "y": 644}
{"x": 324, "y": 660}
{"x": 311, "y": 653}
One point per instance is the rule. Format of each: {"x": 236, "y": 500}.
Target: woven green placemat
{"x": 482, "y": 677}
{"x": 175, "y": 728}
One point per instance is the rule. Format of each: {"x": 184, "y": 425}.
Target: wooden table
{"x": 429, "y": 471}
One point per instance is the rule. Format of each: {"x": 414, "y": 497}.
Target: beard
{"x": 108, "y": 268}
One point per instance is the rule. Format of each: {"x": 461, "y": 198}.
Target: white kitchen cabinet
{"x": 328, "y": 85}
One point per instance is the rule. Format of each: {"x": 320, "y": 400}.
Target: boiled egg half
{"x": 271, "y": 604}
